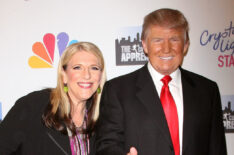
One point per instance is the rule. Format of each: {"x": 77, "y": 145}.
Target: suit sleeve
{"x": 110, "y": 128}
{"x": 217, "y": 135}
{"x": 11, "y": 128}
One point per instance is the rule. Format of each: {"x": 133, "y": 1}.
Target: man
{"x": 142, "y": 114}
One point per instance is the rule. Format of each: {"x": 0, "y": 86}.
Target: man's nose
{"x": 166, "y": 46}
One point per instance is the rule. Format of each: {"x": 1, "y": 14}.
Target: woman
{"x": 60, "y": 120}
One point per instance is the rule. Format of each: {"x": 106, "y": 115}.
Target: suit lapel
{"x": 188, "y": 87}
{"x": 149, "y": 97}
{"x": 61, "y": 142}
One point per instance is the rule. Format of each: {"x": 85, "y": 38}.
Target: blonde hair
{"x": 59, "y": 110}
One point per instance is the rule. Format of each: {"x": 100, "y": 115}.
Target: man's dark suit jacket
{"x": 22, "y": 131}
{"x": 131, "y": 115}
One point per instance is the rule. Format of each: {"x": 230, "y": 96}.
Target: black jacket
{"x": 22, "y": 130}
{"x": 131, "y": 114}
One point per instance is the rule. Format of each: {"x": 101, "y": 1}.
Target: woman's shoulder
{"x": 35, "y": 99}
{"x": 39, "y": 94}
{"x": 28, "y": 107}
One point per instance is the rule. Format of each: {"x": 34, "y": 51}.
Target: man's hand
{"x": 132, "y": 151}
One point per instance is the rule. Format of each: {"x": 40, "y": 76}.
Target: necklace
{"x": 80, "y": 142}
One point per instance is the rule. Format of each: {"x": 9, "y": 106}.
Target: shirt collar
{"x": 176, "y": 76}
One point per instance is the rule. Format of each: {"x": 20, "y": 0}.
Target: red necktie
{"x": 170, "y": 111}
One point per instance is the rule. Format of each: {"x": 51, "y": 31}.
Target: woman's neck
{"x": 78, "y": 113}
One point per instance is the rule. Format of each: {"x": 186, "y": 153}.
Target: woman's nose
{"x": 87, "y": 74}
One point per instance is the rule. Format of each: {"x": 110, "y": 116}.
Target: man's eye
{"x": 175, "y": 39}
{"x": 157, "y": 40}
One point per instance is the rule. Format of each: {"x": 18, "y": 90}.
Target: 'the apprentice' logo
{"x": 228, "y": 113}
{"x": 130, "y": 51}
{"x": 222, "y": 42}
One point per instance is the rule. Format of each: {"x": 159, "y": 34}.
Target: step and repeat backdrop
{"x": 34, "y": 33}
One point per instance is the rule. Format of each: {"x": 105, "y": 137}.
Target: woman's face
{"x": 82, "y": 76}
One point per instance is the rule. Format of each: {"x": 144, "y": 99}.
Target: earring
{"x": 98, "y": 90}
{"x": 65, "y": 88}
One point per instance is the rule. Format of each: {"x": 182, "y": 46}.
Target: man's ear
{"x": 186, "y": 47}
{"x": 144, "y": 44}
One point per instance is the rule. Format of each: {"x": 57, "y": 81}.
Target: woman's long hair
{"x": 57, "y": 114}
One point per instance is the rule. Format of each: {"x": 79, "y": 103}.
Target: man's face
{"x": 165, "y": 48}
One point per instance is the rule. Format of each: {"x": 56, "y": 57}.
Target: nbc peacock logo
{"x": 44, "y": 51}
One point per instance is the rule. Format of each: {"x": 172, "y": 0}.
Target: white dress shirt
{"x": 175, "y": 87}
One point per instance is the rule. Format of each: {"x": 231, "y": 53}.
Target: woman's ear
{"x": 64, "y": 76}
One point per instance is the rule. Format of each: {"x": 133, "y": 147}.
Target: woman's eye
{"x": 95, "y": 68}
{"x": 76, "y": 67}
